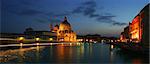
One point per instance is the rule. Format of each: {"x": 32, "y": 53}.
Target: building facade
{"x": 145, "y": 26}
{"x": 64, "y": 32}
{"x": 124, "y": 37}
{"x": 138, "y": 29}
{"x": 45, "y": 35}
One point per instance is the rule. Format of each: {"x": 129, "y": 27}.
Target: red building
{"x": 135, "y": 30}
{"x": 124, "y": 37}
{"x": 138, "y": 29}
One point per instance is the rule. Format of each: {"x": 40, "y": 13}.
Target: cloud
{"x": 62, "y": 14}
{"x": 118, "y": 23}
{"x": 89, "y": 9}
{"x": 109, "y": 19}
{"x": 30, "y": 12}
{"x": 55, "y": 20}
{"x": 20, "y": 7}
{"x": 78, "y": 10}
{"x": 26, "y": 8}
{"x": 99, "y": 18}
{"x": 26, "y": 12}
{"x": 94, "y": 15}
{"x": 44, "y": 20}
{"x": 41, "y": 20}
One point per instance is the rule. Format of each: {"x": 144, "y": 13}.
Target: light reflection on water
{"x": 19, "y": 54}
{"x": 83, "y": 53}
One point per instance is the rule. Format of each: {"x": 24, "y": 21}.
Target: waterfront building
{"x": 144, "y": 18}
{"x": 64, "y": 32}
{"x": 138, "y": 29}
{"x": 11, "y": 35}
{"x": 45, "y": 35}
{"x": 124, "y": 37}
{"x": 93, "y": 38}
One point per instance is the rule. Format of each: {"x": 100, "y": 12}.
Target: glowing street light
{"x": 51, "y": 44}
{"x": 21, "y": 44}
{"x": 112, "y": 46}
{"x": 86, "y": 39}
{"x": 20, "y": 39}
{"x": 70, "y": 43}
{"x": 37, "y": 39}
{"x": 51, "y": 39}
{"x": 37, "y": 43}
{"x": 78, "y": 43}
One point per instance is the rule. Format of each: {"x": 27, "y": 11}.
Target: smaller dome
{"x": 29, "y": 29}
{"x": 65, "y": 22}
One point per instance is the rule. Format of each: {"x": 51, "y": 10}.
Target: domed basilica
{"x": 64, "y": 32}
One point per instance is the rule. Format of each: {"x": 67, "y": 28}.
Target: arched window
{"x": 59, "y": 31}
{"x": 66, "y": 31}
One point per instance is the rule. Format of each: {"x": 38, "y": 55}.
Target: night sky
{"x": 105, "y": 17}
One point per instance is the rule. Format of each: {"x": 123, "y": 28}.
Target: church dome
{"x": 65, "y": 25}
{"x": 57, "y": 25}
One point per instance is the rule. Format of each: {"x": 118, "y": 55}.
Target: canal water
{"x": 82, "y": 53}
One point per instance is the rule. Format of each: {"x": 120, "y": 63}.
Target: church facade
{"x": 64, "y": 32}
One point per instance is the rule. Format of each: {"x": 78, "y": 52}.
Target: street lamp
{"x": 51, "y": 39}
{"x": 37, "y": 39}
{"x": 20, "y": 39}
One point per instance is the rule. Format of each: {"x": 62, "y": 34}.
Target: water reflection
{"x": 17, "y": 54}
{"x": 136, "y": 61}
{"x": 111, "y": 54}
{"x": 125, "y": 56}
{"x": 37, "y": 53}
{"x": 69, "y": 53}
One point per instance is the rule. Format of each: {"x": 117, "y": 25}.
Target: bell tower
{"x": 51, "y": 27}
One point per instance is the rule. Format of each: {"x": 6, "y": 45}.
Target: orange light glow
{"x": 136, "y": 29}
{"x": 37, "y": 39}
{"x": 51, "y": 39}
{"x": 62, "y": 44}
{"x": 51, "y": 44}
{"x": 37, "y": 43}
{"x": 112, "y": 46}
{"x": 21, "y": 44}
{"x": 70, "y": 44}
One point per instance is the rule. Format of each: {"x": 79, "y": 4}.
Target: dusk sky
{"x": 105, "y": 17}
